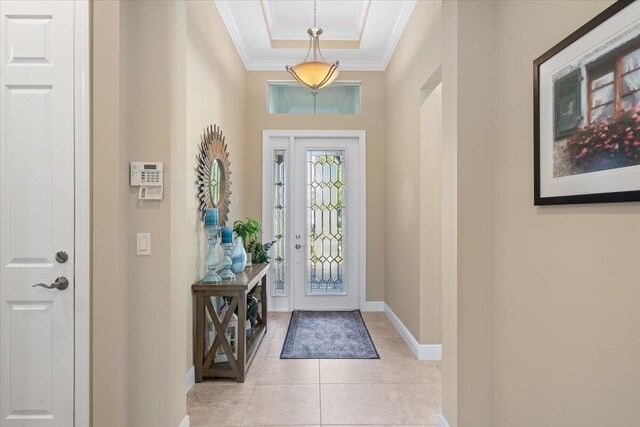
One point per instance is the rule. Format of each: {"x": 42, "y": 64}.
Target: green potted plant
{"x": 249, "y": 231}
{"x": 260, "y": 252}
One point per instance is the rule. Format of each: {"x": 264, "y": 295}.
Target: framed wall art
{"x": 587, "y": 112}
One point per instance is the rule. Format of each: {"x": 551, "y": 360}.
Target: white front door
{"x": 36, "y": 214}
{"x": 325, "y": 213}
{"x": 313, "y": 211}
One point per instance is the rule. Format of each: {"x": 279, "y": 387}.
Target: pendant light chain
{"x": 315, "y": 73}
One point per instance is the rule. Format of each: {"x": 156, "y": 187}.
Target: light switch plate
{"x": 143, "y": 244}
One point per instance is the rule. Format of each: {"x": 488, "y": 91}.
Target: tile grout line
{"x": 253, "y": 388}
{"x": 379, "y": 368}
{"x": 244, "y": 413}
{"x": 396, "y": 405}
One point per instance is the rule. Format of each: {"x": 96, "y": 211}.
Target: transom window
{"x": 291, "y": 98}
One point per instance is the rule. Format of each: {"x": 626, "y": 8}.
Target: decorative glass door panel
{"x": 311, "y": 209}
{"x": 326, "y": 221}
{"x": 278, "y": 278}
{"x": 325, "y": 237}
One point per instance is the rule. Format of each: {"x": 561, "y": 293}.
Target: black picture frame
{"x": 611, "y": 197}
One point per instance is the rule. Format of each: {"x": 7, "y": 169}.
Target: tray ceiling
{"x": 361, "y": 34}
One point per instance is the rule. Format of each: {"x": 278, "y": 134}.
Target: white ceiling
{"x": 361, "y": 34}
{"x": 341, "y": 19}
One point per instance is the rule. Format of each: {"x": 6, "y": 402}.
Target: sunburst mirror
{"x": 214, "y": 173}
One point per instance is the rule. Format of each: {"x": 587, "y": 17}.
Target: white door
{"x": 37, "y": 214}
{"x": 314, "y": 211}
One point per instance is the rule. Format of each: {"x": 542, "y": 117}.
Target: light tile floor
{"x": 396, "y": 389}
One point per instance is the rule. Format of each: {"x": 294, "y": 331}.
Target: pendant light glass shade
{"x": 314, "y": 72}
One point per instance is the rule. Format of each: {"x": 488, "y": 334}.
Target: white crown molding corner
{"x": 421, "y": 351}
{"x": 398, "y": 30}
{"x": 442, "y": 422}
{"x": 374, "y": 306}
{"x": 185, "y": 422}
{"x": 362, "y": 19}
{"x": 191, "y": 378}
{"x": 266, "y": 8}
{"x": 232, "y": 28}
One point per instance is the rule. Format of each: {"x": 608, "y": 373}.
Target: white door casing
{"x": 38, "y": 214}
{"x": 295, "y": 146}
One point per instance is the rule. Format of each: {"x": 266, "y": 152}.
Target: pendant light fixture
{"x": 314, "y": 71}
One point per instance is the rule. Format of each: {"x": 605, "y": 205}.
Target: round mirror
{"x": 214, "y": 173}
{"x": 216, "y": 182}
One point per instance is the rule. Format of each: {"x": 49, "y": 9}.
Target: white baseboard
{"x": 279, "y": 303}
{"x": 442, "y": 422}
{"x": 191, "y": 378}
{"x": 421, "y": 351}
{"x": 374, "y": 306}
{"x": 185, "y": 422}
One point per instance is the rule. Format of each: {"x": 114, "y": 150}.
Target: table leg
{"x": 198, "y": 339}
{"x": 242, "y": 336}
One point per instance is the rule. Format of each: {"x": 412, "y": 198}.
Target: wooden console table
{"x": 236, "y": 293}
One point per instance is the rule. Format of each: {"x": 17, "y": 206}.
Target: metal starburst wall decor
{"x": 214, "y": 173}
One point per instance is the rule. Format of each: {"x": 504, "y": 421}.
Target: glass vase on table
{"x": 227, "y": 248}
{"x": 211, "y": 260}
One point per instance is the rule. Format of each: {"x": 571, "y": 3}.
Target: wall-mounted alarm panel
{"x": 149, "y": 176}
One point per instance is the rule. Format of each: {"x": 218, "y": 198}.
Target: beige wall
{"x": 537, "y": 328}
{"x": 416, "y": 59}
{"x": 534, "y": 310}
{"x": 162, "y": 72}
{"x": 430, "y": 216}
{"x": 449, "y": 231}
{"x": 152, "y": 124}
{"x": 372, "y": 120}
{"x": 476, "y": 83}
{"x": 216, "y": 84}
{"x": 567, "y": 295}
{"x": 468, "y": 215}
{"x": 110, "y": 232}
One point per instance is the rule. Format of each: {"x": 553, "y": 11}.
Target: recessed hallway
{"x": 397, "y": 389}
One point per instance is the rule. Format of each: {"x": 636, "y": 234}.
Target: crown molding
{"x": 232, "y": 28}
{"x": 345, "y": 64}
{"x": 398, "y": 30}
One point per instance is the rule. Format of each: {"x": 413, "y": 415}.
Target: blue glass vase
{"x": 238, "y": 256}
